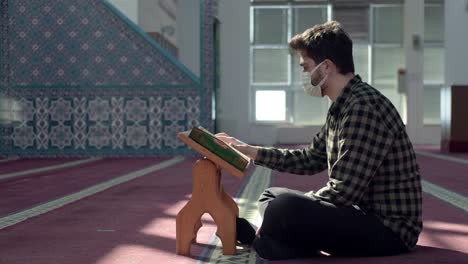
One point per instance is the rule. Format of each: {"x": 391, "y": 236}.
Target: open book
{"x": 215, "y": 149}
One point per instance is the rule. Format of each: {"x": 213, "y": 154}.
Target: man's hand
{"x": 248, "y": 150}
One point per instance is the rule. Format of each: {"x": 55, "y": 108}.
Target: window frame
{"x": 288, "y": 87}
{"x": 430, "y": 84}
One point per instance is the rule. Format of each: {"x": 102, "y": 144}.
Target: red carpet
{"x": 134, "y": 222}
{"x": 436, "y": 150}
{"x": 130, "y": 223}
{"x": 29, "y": 190}
{"x": 450, "y": 175}
{"x": 10, "y": 166}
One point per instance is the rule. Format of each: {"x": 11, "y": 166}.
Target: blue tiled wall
{"x": 78, "y": 78}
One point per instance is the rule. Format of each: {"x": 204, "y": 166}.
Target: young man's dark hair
{"x": 326, "y": 41}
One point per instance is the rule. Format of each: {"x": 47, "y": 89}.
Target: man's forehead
{"x": 304, "y": 59}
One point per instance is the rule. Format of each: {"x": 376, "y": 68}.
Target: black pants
{"x": 306, "y": 225}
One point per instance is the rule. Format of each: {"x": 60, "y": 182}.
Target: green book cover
{"x": 219, "y": 148}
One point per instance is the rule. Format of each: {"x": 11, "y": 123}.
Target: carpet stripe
{"x": 247, "y": 202}
{"x": 54, "y": 204}
{"x": 446, "y": 195}
{"x": 442, "y": 157}
{"x": 48, "y": 168}
{"x": 453, "y": 198}
{"x": 8, "y": 159}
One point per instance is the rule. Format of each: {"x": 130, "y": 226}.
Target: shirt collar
{"x": 335, "y": 107}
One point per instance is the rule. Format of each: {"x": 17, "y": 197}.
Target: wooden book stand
{"x": 208, "y": 196}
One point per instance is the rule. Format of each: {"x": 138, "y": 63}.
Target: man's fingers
{"x": 228, "y": 139}
{"x": 224, "y": 138}
{"x": 222, "y": 134}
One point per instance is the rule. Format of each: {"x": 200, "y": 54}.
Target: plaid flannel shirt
{"x": 370, "y": 159}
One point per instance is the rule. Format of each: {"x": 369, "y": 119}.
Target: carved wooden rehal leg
{"x": 208, "y": 196}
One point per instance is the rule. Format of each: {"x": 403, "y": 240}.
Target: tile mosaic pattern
{"x": 78, "y": 79}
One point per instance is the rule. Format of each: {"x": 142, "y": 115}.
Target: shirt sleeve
{"x": 310, "y": 160}
{"x": 363, "y": 143}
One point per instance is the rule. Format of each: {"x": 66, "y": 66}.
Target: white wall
{"x": 234, "y": 71}
{"x": 152, "y": 18}
{"x": 129, "y": 8}
{"x": 234, "y": 83}
{"x": 456, "y": 39}
{"x": 188, "y": 34}
{"x": 149, "y": 16}
{"x": 413, "y": 30}
{"x": 234, "y": 98}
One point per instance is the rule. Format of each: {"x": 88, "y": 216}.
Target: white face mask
{"x": 309, "y": 88}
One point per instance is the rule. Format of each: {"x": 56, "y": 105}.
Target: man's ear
{"x": 330, "y": 66}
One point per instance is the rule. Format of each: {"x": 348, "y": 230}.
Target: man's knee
{"x": 273, "y": 193}
{"x": 269, "y": 194}
{"x": 285, "y": 204}
{"x": 266, "y": 197}
{"x": 282, "y": 215}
